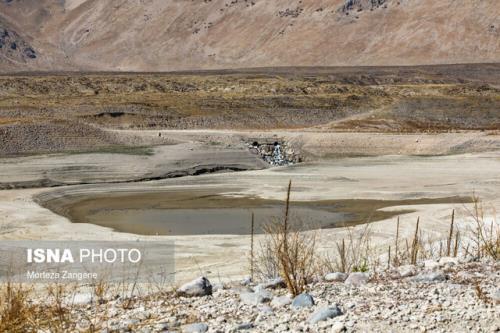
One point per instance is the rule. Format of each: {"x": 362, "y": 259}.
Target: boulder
{"x": 198, "y": 287}
{"x": 324, "y": 314}
{"x": 303, "y": 300}
{"x": 357, "y": 279}
{"x": 336, "y": 277}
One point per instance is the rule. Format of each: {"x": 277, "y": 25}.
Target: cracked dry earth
{"x": 437, "y": 296}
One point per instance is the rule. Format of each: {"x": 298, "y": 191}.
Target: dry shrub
{"x": 20, "y": 313}
{"x": 16, "y": 313}
{"x": 352, "y": 254}
{"x": 484, "y": 234}
{"x": 287, "y": 251}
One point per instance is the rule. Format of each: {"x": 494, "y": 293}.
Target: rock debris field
{"x": 448, "y": 295}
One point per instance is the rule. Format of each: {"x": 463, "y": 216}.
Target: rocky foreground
{"x": 445, "y": 296}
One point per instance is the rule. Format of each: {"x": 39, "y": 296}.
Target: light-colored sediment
{"x": 381, "y": 177}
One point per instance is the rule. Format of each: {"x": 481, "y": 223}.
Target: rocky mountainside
{"x": 158, "y": 35}
{"x": 13, "y": 48}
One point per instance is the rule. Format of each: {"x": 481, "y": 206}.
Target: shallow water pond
{"x": 210, "y": 212}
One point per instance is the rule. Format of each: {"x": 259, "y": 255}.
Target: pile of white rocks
{"x": 444, "y": 296}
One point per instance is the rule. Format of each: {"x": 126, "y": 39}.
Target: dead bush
{"x": 288, "y": 251}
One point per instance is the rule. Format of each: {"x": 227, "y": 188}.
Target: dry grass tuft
{"x": 288, "y": 251}
{"x": 485, "y": 234}
{"x": 16, "y": 313}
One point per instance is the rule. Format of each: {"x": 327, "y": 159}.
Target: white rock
{"x": 246, "y": 281}
{"x": 357, "y": 279}
{"x": 336, "y": 277}
{"x": 431, "y": 264}
{"x": 337, "y": 327}
{"x": 265, "y": 309}
{"x": 407, "y": 270}
{"x": 195, "y": 328}
{"x": 79, "y": 298}
{"x": 448, "y": 261}
{"x": 256, "y": 298}
{"x": 281, "y": 301}
{"x": 496, "y": 296}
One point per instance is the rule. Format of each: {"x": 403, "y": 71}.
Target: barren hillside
{"x": 158, "y": 35}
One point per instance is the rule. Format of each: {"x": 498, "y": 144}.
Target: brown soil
{"x": 67, "y": 112}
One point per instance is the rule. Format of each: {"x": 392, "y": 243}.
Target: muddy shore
{"x": 386, "y": 177}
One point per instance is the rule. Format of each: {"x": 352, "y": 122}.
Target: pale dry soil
{"x": 382, "y": 176}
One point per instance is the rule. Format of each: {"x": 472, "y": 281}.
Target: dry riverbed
{"x": 385, "y": 186}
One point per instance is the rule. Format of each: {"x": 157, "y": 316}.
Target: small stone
{"x": 161, "y": 326}
{"x": 281, "y": 301}
{"x": 407, "y": 271}
{"x": 273, "y": 284}
{"x": 265, "y": 309}
{"x": 496, "y": 296}
{"x": 430, "y": 277}
{"x": 244, "y": 326}
{"x": 128, "y": 323}
{"x": 195, "y": 328}
{"x": 336, "y": 277}
{"x": 431, "y": 264}
{"x": 357, "y": 279}
{"x": 246, "y": 281}
{"x": 324, "y": 314}
{"x": 198, "y": 287}
{"x": 256, "y": 298}
{"x": 338, "y": 327}
{"x": 80, "y": 299}
{"x": 217, "y": 287}
{"x": 448, "y": 261}
{"x": 303, "y": 300}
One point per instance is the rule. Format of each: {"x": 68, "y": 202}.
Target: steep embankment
{"x": 157, "y": 35}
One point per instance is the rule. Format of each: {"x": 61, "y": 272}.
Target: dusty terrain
{"x": 431, "y": 297}
{"x": 381, "y": 177}
{"x": 74, "y": 112}
{"x": 374, "y": 143}
{"x": 158, "y": 35}
{"x": 398, "y": 133}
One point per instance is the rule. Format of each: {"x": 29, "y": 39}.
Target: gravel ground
{"x": 444, "y": 296}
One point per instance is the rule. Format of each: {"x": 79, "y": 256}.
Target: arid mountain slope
{"x": 159, "y": 35}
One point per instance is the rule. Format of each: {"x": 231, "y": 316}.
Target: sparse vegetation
{"x": 293, "y": 250}
{"x": 292, "y": 254}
